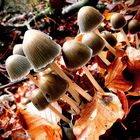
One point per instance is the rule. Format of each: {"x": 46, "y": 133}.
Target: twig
{"x": 78, "y": 5}
{"x": 47, "y": 11}
{"x": 13, "y": 83}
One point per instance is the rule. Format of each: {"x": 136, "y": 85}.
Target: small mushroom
{"x": 18, "y": 49}
{"x": 39, "y": 49}
{"x": 17, "y": 67}
{"x": 109, "y": 38}
{"x": 117, "y": 21}
{"x": 89, "y": 18}
{"x": 95, "y": 42}
{"x": 53, "y": 86}
{"x": 38, "y": 100}
{"x": 134, "y": 26}
{"x": 75, "y": 54}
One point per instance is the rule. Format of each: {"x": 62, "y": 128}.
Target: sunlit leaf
{"x": 108, "y": 110}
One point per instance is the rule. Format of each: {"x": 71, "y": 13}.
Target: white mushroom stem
{"x": 125, "y": 37}
{"x": 59, "y": 114}
{"x": 50, "y": 106}
{"x": 73, "y": 85}
{"x": 104, "y": 59}
{"x": 137, "y": 40}
{"x": 93, "y": 81}
{"x": 106, "y": 43}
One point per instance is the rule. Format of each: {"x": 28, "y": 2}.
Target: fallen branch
{"x": 78, "y": 5}
{"x": 47, "y": 11}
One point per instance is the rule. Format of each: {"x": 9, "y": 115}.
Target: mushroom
{"x": 54, "y": 91}
{"x": 41, "y": 51}
{"x": 118, "y": 21}
{"x": 109, "y": 38}
{"x": 40, "y": 102}
{"x": 96, "y": 43}
{"x": 76, "y": 55}
{"x": 134, "y": 28}
{"x": 18, "y": 49}
{"x": 17, "y": 67}
{"x": 89, "y": 19}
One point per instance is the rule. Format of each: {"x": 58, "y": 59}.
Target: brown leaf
{"x": 133, "y": 58}
{"x": 124, "y": 101}
{"x": 108, "y": 110}
{"x": 38, "y": 127}
{"x": 115, "y": 80}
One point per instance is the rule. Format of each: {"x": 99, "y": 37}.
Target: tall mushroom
{"x": 134, "y": 28}
{"x": 118, "y": 21}
{"x": 55, "y": 88}
{"x": 41, "y": 52}
{"x": 76, "y": 55}
{"x": 88, "y": 20}
{"x": 18, "y": 67}
{"x": 96, "y": 43}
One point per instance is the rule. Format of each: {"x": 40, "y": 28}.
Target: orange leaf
{"x": 105, "y": 111}
{"x": 124, "y": 102}
{"x": 114, "y": 79}
{"x": 107, "y": 14}
{"x": 119, "y": 84}
{"x": 38, "y": 127}
{"x": 134, "y": 58}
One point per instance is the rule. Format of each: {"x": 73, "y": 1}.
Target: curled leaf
{"x": 115, "y": 80}
{"x": 108, "y": 110}
{"x": 38, "y": 127}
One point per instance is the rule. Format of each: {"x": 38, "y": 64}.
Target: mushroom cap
{"x": 89, "y": 18}
{"x": 95, "y": 42}
{"x": 53, "y": 86}
{"x": 39, "y": 49}
{"x": 38, "y": 99}
{"x": 17, "y": 67}
{"x": 117, "y": 21}
{"x": 109, "y": 37}
{"x": 75, "y": 54}
{"x": 134, "y": 26}
{"x": 18, "y": 49}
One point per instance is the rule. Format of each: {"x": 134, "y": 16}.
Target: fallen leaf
{"x": 107, "y": 110}
{"x": 38, "y": 127}
{"x": 115, "y": 80}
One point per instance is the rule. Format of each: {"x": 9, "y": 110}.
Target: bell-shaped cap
{"x": 39, "y": 49}
{"x": 117, "y": 21}
{"x": 95, "y": 42}
{"x": 53, "y": 86}
{"x": 18, "y": 49}
{"x": 109, "y": 37}
{"x": 89, "y": 19}
{"x": 75, "y": 54}
{"x": 17, "y": 67}
{"x": 38, "y": 99}
{"x": 134, "y": 26}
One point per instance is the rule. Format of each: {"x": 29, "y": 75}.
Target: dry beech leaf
{"x": 38, "y": 127}
{"x": 124, "y": 102}
{"x": 47, "y": 114}
{"x": 115, "y": 80}
{"x": 105, "y": 111}
{"x": 133, "y": 58}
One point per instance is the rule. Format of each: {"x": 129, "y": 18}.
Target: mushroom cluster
{"x": 38, "y": 52}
